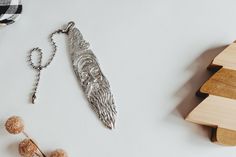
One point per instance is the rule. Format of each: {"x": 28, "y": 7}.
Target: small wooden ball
{"x": 14, "y": 125}
{"x": 59, "y": 153}
{"x": 27, "y": 148}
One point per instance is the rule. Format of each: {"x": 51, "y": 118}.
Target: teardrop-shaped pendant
{"x": 94, "y": 84}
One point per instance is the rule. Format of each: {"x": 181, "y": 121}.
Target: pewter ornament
{"x": 93, "y": 82}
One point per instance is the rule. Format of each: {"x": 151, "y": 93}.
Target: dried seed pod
{"x": 14, "y": 125}
{"x": 59, "y": 153}
{"x": 27, "y": 148}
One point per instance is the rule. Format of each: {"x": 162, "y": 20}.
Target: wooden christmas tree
{"x": 218, "y": 109}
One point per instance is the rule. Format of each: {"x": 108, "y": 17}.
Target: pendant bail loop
{"x": 69, "y": 26}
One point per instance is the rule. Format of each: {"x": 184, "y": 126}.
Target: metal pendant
{"x": 94, "y": 84}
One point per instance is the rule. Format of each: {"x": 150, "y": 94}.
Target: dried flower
{"x": 27, "y": 148}
{"x": 58, "y": 153}
{"x": 14, "y": 125}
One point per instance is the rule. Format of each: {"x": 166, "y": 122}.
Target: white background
{"x": 153, "y": 52}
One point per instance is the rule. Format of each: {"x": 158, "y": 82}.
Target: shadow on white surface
{"x": 2, "y": 128}
{"x": 13, "y": 148}
{"x": 188, "y": 91}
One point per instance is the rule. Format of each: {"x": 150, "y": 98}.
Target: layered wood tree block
{"x": 218, "y": 109}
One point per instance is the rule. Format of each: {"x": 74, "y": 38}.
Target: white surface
{"x": 154, "y": 54}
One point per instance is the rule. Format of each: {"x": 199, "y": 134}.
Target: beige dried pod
{"x": 14, "y": 125}
{"x": 59, "y": 153}
{"x": 27, "y": 148}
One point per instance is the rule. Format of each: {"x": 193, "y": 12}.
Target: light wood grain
{"x": 227, "y": 58}
{"x": 215, "y": 111}
{"x": 218, "y": 110}
{"x": 220, "y": 114}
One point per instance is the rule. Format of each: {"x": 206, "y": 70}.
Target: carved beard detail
{"x": 92, "y": 80}
{"x": 96, "y": 87}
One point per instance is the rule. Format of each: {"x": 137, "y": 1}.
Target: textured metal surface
{"x": 87, "y": 70}
{"x": 91, "y": 78}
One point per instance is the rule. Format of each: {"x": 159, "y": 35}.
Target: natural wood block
{"x": 218, "y": 109}
{"x": 224, "y": 136}
{"x": 227, "y": 57}
{"x": 222, "y": 83}
{"x": 215, "y": 111}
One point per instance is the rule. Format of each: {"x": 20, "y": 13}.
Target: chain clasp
{"x": 33, "y": 98}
